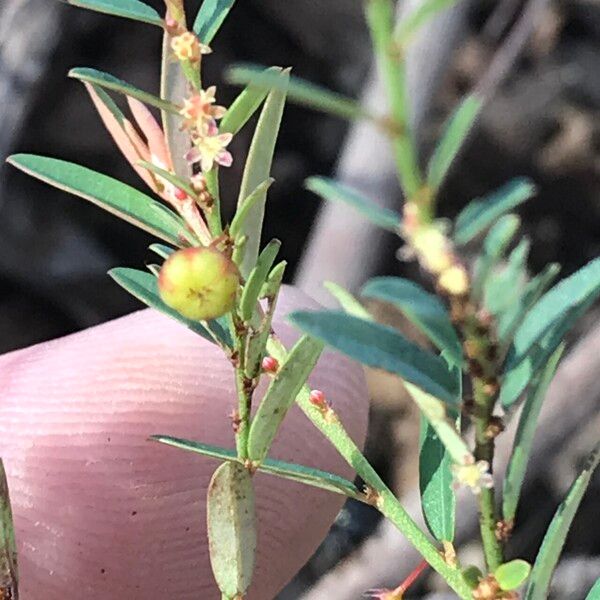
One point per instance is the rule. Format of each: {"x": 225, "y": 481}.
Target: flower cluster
{"x": 474, "y": 475}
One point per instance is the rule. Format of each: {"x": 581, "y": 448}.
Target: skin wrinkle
{"x": 74, "y": 491}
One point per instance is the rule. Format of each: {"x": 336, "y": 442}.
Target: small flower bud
{"x": 317, "y": 398}
{"x": 180, "y": 194}
{"x": 199, "y": 283}
{"x": 270, "y": 364}
{"x": 187, "y": 46}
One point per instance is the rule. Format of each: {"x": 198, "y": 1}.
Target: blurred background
{"x": 539, "y": 63}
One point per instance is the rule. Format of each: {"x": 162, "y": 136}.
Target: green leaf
{"x": 494, "y": 245}
{"x": 331, "y": 190}
{"x": 299, "y": 91}
{"x": 452, "y": 140}
{"x": 117, "y": 198}
{"x": 556, "y": 535}
{"x": 483, "y": 212}
{"x": 105, "y": 80}
{"x": 472, "y": 575}
{"x": 512, "y": 575}
{"x": 174, "y": 89}
{"x": 422, "y": 309}
{"x": 129, "y": 9}
{"x": 517, "y": 466}
{"x": 513, "y": 316}
{"x": 410, "y": 25}
{"x": 9, "y": 577}
{"x": 347, "y": 301}
{"x": 281, "y": 394}
{"x": 237, "y": 224}
{"x": 594, "y": 593}
{"x": 231, "y": 528}
{"x": 257, "y": 170}
{"x": 170, "y": 177}
{"x": 443, "y": 422}
{"x": 257, "y": 278}
{"x": 244, "y": 106}
{"x": 162, "y": 250}
{"x": 144, "y": 287}
{"x": 504, "y": 289}
{"x": 299, "y": 473}
{"x": 210, "y": 17}
{"x": 381, "y": 347}
{"x": 545, "y": 326}
{"x": 438, "y": 500}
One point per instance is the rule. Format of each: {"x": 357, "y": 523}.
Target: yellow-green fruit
{"x": 199, "y": 283}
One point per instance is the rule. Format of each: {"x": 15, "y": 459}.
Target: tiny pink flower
{"x": 211, "y": 149}
{"x": 200, "y": 112}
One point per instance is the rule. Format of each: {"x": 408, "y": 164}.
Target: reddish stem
{"x": 412, "y": 576}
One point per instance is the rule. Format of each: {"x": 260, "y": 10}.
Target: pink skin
{"x": 102, "y": 513}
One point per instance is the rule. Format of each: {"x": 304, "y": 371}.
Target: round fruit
{"x": 199, "y": 283}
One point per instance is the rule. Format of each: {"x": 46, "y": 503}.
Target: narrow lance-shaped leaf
{"x": 281, "y": 394}
{"x": 291, "y": 471}
{"x": 452, "y": 140}
{"x": 170, "y": 177}
{"x": 162, "y": 250}
{"x": 299, "y": 91}
{"x": 257, "y": 278}
{"x": 381, "y": 347}
{"x": 410, "y": 25}
{"x": 517, "y": 466}
{"x": 494, "y": 245}
{"x": 231, "y": 524}
{"x": 503, "y": 290}
{"x": 480, "y": 214}
{"x": 129, "y": 9}
{"x": 332, "y": 190}
{"x": 174, "y": 89}
{"x": 347, "y": 301}
{"x": 244, "y": 106}
{"x": 211, "y": 16}
{"x": 105, "y": 80}
{"x": 257, "y": 195}
{"x": 437, "y": 415}
{"x": 117, "y": 198}
{"x": 422, "y": 309}
{"x": 594, "y": 593}
{"x": 9, "y": 578}
{"x": 144, "y": 287}
{"x": 545, "y": 326}
{"x": 556, "y": 535}
{"x": 257, "y": 170}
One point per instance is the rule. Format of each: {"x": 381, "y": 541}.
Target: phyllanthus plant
{"x": 495, "y": 336}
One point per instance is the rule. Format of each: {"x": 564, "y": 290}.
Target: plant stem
{"x": 329, "y": 424}
{"x": 380, "y": 18}
{"x": 245, "y": 390}
{"x": 213, "y": 216}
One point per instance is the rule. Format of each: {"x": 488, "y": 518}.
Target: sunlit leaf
{"x": 332, "y": 190}
{"x": 257, "y": 195}
{"x": 129, "y": 9}
{"x": 257, "y": 170}
{"x": 347, "y": 301}
{"x": 545, "y": 326}
{"x": 480, "y": 214}
{"x": 452, "y": 140}
{"x": 144, "y": 287}
{"x": 231, "y": 528}
{"x": 299, "y": 91}
{"x": 117, "y": 198}
{"x": 556, "y": 535}
{"x": 210, "y": 17}
{"x": 299, "y": 473}
{"x": 105, "y": 80}
{"x": 517, "y": 466}
{"x": 281, "y": 394}
{"x": 410, "y": 25}
{"x": 494, "y": 245}
{"x": 512, "y": 575}
{"x": 381, "y": 347}
{"x": 422, "y": 309}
